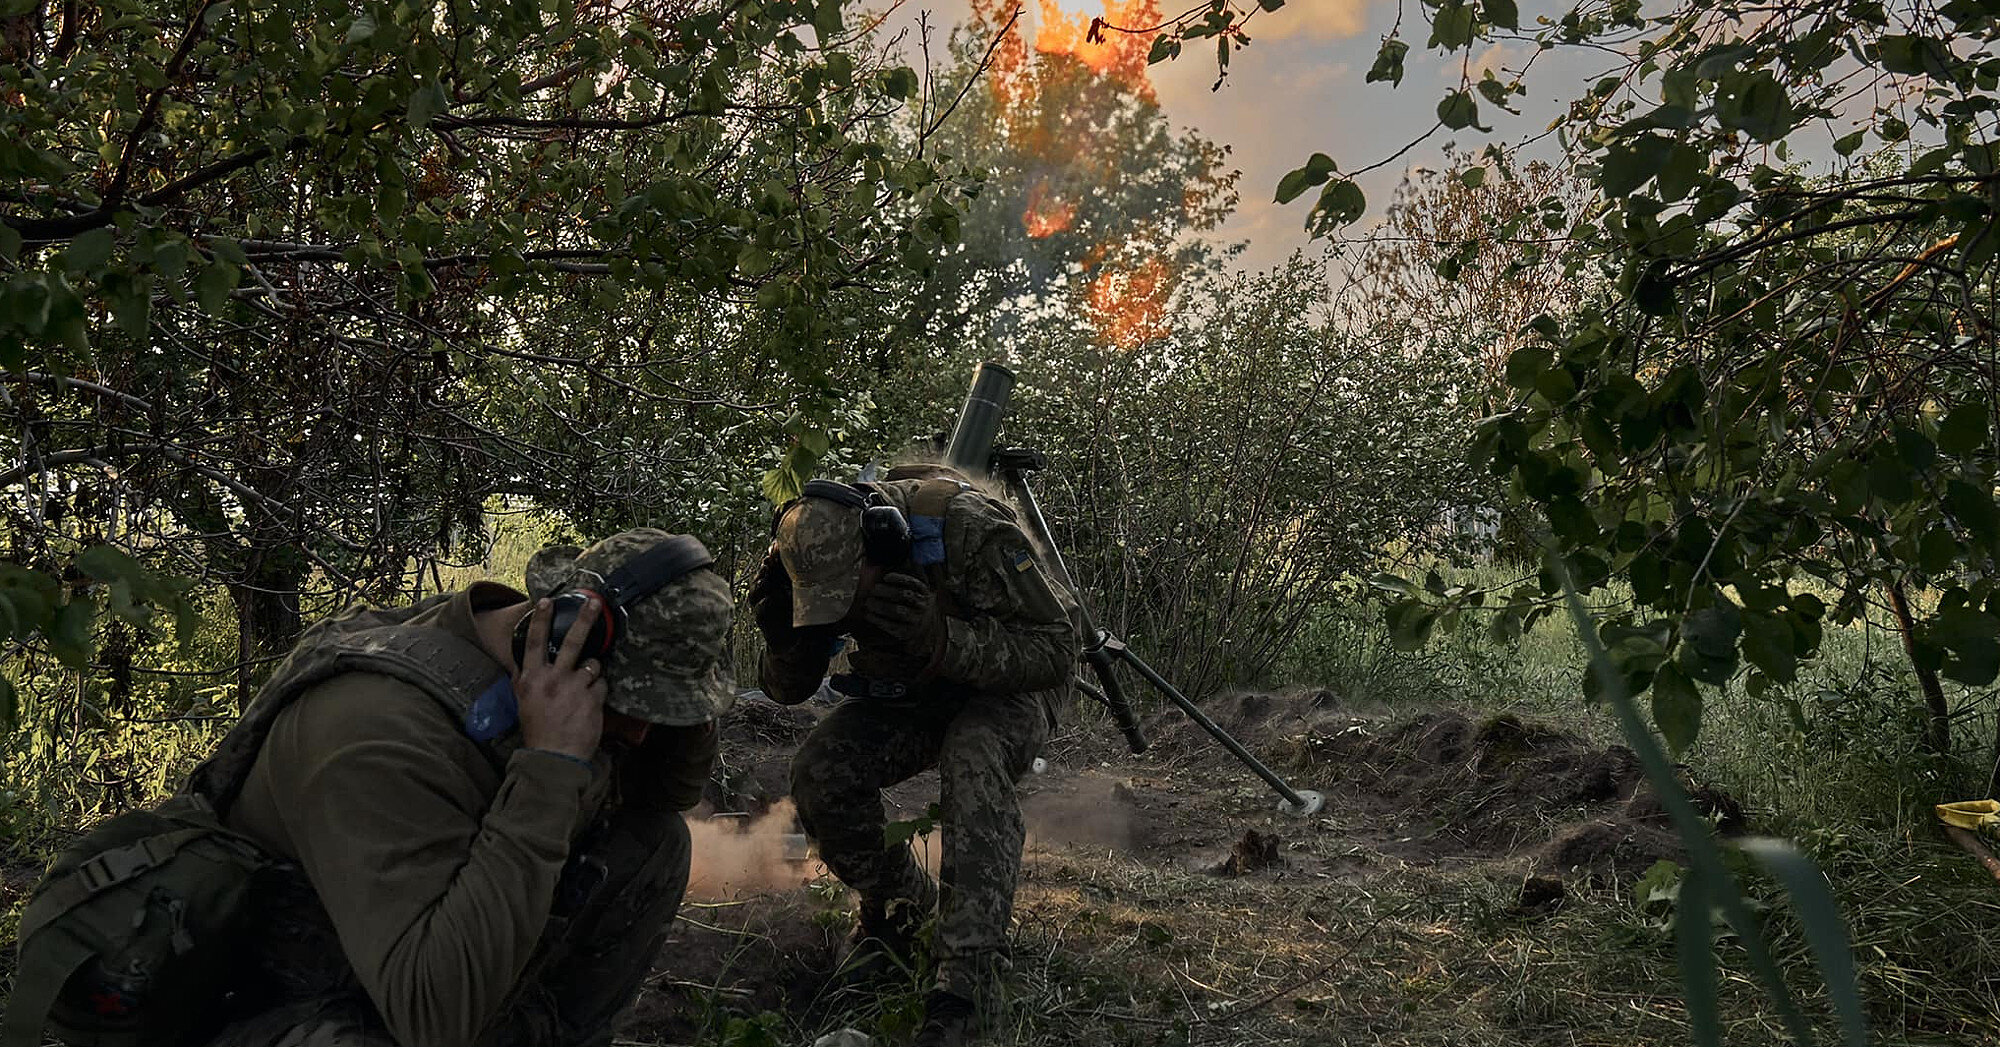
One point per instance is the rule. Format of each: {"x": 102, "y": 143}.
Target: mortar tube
{"x": 971, "y": 448}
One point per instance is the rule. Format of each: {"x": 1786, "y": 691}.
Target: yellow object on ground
{"x": 1980, "y": 816}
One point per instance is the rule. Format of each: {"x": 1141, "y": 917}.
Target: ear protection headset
{"x": 632, "y": 581}
{"x": 885, "y": 532}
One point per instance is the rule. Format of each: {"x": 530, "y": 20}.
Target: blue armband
{"x": 494, "y": 712}
{"x": 926, "y": 540}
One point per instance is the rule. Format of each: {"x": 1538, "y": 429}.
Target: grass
{"x": 1114, "y": 951}
{"x": 1834, "y": 761}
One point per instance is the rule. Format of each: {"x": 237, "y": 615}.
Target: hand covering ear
{"x": 770, "y": 599}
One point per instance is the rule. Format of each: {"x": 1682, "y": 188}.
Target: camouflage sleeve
{"x": 1028, "y": 642}
{"x": 790, "y": 675}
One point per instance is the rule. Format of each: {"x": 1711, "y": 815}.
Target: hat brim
{"x": 822, "y": 604}
{"x": 676, "y": 701}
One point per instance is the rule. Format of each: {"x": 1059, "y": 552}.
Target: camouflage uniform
{"x": 450, "y": 886}
{"x": 978, "y": 709}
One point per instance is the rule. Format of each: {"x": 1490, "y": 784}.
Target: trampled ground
{"x": 1466, "y": 884}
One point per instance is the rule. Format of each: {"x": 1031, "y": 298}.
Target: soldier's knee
{"x": 981, "y": 760}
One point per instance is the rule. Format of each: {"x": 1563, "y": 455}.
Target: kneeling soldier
{"x": 963, "y": 651}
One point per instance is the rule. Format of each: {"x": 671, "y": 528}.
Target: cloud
{"x": 1499, "y": 58}
{"x": 1311, "y": 19}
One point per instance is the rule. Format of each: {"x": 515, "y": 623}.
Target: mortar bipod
{"x": 1105, "y": 650}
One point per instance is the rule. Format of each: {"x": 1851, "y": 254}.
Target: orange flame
{"x": 1128, "y": 304}
{"x": 1109, "y": 53}
{"x": 1047, "y": 214}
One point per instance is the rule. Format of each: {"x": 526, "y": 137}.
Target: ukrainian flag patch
{"x": 1023, "y": 560}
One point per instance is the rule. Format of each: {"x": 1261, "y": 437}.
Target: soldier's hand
{"x": 561, "y": 701}
{"x": 771, "y": 598}
{"x": 903, "y": 608}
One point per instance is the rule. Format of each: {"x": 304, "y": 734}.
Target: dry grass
{"x": 1360, "y": 936}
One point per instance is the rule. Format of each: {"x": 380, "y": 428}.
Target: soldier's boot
{"x": 950, "y": 1020}
{"x": 883, "y": 947}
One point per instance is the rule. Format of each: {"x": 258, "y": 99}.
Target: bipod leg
{"x": 1296, "y": 802}
{"x": 1113, "y": 697}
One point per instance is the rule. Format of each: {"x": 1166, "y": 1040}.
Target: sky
{"x": 1298, "y": 89}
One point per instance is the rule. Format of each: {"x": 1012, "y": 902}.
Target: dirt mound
{"x": 1256, "y": 718}
{"x": 753, "y": 769}
{"x": 1504, "y": 786}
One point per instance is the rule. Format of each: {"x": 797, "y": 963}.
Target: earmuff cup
{"x": 885, "y": 531}
{"x": 628, "y": 583}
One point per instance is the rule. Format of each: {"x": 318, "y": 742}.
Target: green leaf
{"x": 1316, "y": 170}
{"x": 1629, "y": 165}
{"x": 1340, "y": 203}
{"x": 1912, "y": 55}
{"x": 1503, "y": 13}
{"x": 1973, "y": 508}
{"x": 1676, "y": 708}
{"x": 1458, "y": 111}
{"x": 212, "y": 288}
{"x": 429, "y": 100}
{"x": 901, "y": 83}
{"x": 1388, "y": 62}
{"x": 1527, "y": 363}
{"x": 69, "y": 633}
{"x": 1394, "y": 584}
{"x": 1963, "y": 431}
{"x": 1971, "y": 638}
{"x": 10, "y": 705}
{"x": 90, "y": 249}
{"x": 108, "y": 564}
{"x": 1847, "y": 144}
{"x": 1889, "y": 480}
{"x": 1451, "y": 25}
{"x": 1410, "y": 623}
{"x": 1755, "y": 104}
{"x": 1825, "y": 931}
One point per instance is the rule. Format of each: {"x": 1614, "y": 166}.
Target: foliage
{"x": 1780, "y": 412}
{"x": 1708, "y": 881}
{"x": 1454, "y": 264}
{"x": 1086, "y": 187}
{"x": 263, "y": 268}
{"x": 1213, "y": 488}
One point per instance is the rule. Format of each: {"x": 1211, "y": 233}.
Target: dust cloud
{"x": 1088, "y": 813}
{"x": 733, "y": 856}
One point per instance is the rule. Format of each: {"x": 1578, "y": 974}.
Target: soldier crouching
{"x": 962, "y": 653}
{"x": 485, "y": 841}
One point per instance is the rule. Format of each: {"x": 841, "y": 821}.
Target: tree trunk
{"x": 267, "y": 616}
{"x": 1939, "y": 735}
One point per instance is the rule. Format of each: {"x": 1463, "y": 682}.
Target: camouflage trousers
{"x": 624, "y": 888}
{"x": 980, "y": 744}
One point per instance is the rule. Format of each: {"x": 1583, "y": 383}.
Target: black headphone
{"x": 885, "y": 531}
{"x": 632, "y": 581}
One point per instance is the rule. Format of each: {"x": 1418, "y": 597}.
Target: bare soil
{"x": 1165, "y": 899}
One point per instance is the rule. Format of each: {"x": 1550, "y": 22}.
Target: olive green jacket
{"x": 435, "y": 857}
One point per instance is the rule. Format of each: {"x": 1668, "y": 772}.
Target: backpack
{"x": 130, "y": 937}
{"x": 137, "y": 933}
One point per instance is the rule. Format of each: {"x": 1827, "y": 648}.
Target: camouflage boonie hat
{"x": 820, "y": 542}
{"x": 668, "y": 668}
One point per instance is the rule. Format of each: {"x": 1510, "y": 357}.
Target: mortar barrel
{"x": 971, "y": 448}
